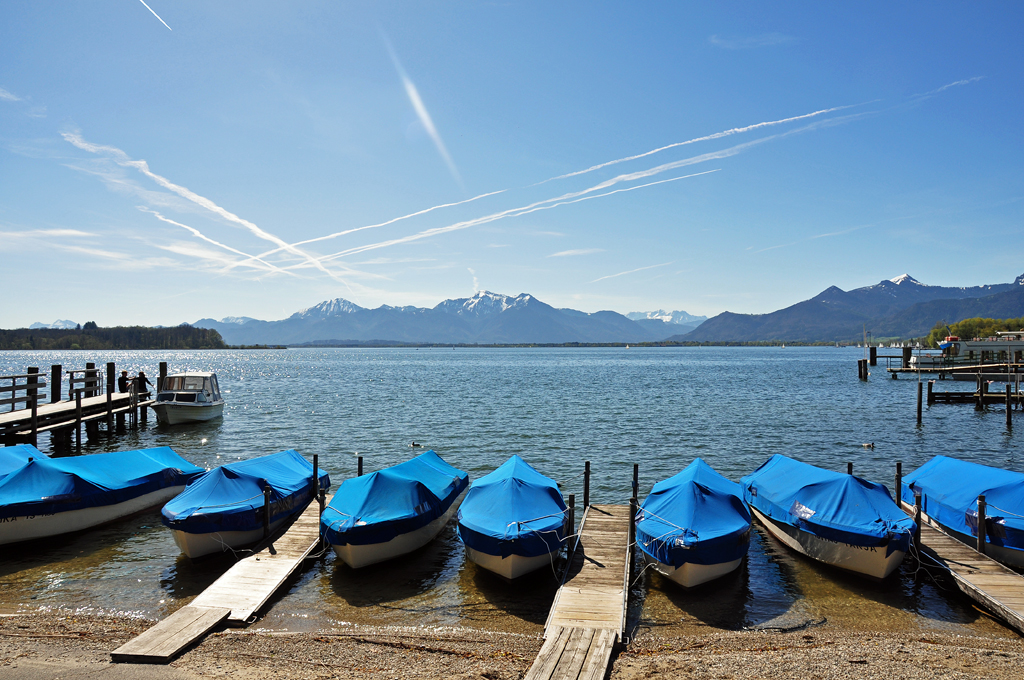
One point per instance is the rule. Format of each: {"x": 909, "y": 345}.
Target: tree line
{"x": 977, "y": 327}
{"x": 119, "y": 337}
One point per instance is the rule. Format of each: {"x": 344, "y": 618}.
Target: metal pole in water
{"x": 981, "y": 524}
{"x": 359, "y": 467}
{"x": 571, "y": 516}
{"x": 849, "y": 468}
{"x": 636, "y": 480}
{"x": 266, "y": 509}
{"x": 899, "y": 482}
{"x": 316, "y": 474}
{"x": 586, "y": 484}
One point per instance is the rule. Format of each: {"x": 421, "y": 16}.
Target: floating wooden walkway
{"x": 235, "y": 597}
{"x": 990, "y": 584}
{"x": 588, "y": 616}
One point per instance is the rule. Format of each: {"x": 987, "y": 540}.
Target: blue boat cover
{"x": 230, "y": 497}
{"x": 13, "y": 457}
{"x": 377, "y": 507}
{"x": 50, "y": 485}
{"x": 949, "y": 494}
{"x": 828, "y": 504}
{"x": 514, "y": 510}
{"x": 696, "y": 517}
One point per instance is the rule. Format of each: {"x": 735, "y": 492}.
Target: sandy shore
{"x": 44, "y": 646}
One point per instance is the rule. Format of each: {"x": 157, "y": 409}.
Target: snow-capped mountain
{"x": 677, "y": 317}
{"x": 485, "y": 318}
{"x": 59, "y": 323}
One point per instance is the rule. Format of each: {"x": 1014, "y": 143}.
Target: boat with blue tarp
{"x": 393, "y": 511}
{"x": 694, "y": 526}
{"x": 839, "y": 519}
{"x": 51, "y": 496}
{"x": 512, "y": 521}
{"x": 14, "y": 457}
{"x": 223, "y": 509}
{"x": 949, "y": 497}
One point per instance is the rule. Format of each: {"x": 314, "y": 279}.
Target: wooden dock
{"x": 233, "y": 598}
{"x": 588, "y": 616}
{"x": 997, "y": 588}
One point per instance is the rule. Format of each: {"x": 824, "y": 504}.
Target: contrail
{"x": 198, "y": 234}
{"x": 422, "y": 113}
{"x": 155, "y": 14}
{"x": 631, "y": 271}
{"x": 375, "y": 226}
{"x": 717, "y": 135}
{"x": 121, "y": 158}
{"x": 949, "y": 85}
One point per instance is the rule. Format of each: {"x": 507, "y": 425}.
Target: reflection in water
{"x": 779, "y": 589}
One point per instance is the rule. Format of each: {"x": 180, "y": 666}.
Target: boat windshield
{"x": 183, "y": 382}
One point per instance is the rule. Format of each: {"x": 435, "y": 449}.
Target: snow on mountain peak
{"x": 484, "y": 302}
{"x": 329, "y": 308}
{"x": 59, "y": 323}
{"x": 905, "y": 278}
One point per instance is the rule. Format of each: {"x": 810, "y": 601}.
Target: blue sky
{"x": 196, "y": 159}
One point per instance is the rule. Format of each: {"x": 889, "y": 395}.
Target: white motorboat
{"x": 188, "y": 398}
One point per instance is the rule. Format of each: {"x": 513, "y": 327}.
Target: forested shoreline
{"x": 119, "y": 337}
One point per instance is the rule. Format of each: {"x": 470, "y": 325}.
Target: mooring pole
{"x": 899, "y": 483}
{"x": 919, "y": 391}
{"x": 110, "y": 397}
{"x": 980, "y": 404}
{"x": 981, "y": 524}
{"x": 266, "y": 509}
{"x": 55, "y": 372}
{"x": 917, "y": 519}
{"x": 1009, "y": 420}
{"x": 931, "y": 394}
{"x": 316, "y": 475}
{"x": 636, "y": 480}
{"x": 849, "y": 468}
{"x": 571, "y": 516}
{"x": 359, "y": 467}
{"x": 586, "y": 484}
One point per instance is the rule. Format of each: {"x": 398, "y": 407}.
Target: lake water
{"x": 658, "y": 407}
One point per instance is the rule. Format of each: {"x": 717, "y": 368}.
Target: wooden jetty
{"x": 588, "y": 616}
{"x": 233, "y": 598}
{"x": 998, "y": 589}
{"x": 91, "y": 401}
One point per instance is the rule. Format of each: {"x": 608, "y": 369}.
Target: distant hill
{"x": 900, "y": 307}
{"x": 485, "y": 318}
{"x": 119, "y": 337}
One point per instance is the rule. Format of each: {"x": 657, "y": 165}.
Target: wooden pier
{"x": 233, "y": 598}
{"x": 588, "y": 616}
{"x": 998, "y": 589}
{"x": 91, "y": 401}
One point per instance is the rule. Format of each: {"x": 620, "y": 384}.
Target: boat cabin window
{"x": 201, "y": 397}
{"x": 185, "y": 396}
{"x": 193, "y": 383}
{"x": 172, "y": 383}
{"x": 165, "y": 397}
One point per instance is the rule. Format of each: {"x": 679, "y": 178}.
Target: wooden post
{"x": 636, "y": 480}
{"x": 316, "y": 475}
{"x": 570, "y": 516}
{"x": 163, "y": 375}
{"x": 907, "y": 354}
{"x": 917, "y": 519}
{"x": 78, "y": 419}
{"x": 899, "y": 482}
{"x": 1009, "y": 420}
{"x": 849, "y": 468}
{"x": 90, "y": 379}
{"x": 359, "y": 470}
{"x": 919, "y": 402}
{"x": 873, "y": 355}
{"x": 931, "y": 394}
{"x": 632, "y": 538}
{"x": 33, "y": 395}
{"x": 55, "y": 372}
{"x": 981, "y": 524}
{"x": 266, "y": 509}
{"x": 111, "y": 379}
{"x": 586, "y": 484}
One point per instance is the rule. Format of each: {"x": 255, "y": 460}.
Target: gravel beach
{"x": 55, "y": 645}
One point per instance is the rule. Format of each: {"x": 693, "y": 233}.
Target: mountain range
{"x": 485, "y": 318}
{"x": 901, "y": 307}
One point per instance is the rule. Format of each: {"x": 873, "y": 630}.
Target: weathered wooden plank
{"x": 598, "y": 656}
{"x": 544, "y": 665}
{"x": 575, "y": 654}
{"x": 170, "y": 637}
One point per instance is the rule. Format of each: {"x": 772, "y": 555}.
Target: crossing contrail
{"x": 155, "y": 14}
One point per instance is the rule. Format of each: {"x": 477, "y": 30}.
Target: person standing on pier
{"x": 122, "y": 382}
{"x": 140, "y": 383}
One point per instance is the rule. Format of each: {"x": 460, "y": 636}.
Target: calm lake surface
{"x": 659, "y": 407}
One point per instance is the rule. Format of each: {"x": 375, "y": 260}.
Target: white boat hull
{"x": 510, "y": 567}
{"x": 200, "y": 545}
{"x": 16, "y": 529}
{"x": 357, "y": 556}
{"x": 173, "y": 413}
{"x": 867, "y": 560}
{"x": 690, "y": 575}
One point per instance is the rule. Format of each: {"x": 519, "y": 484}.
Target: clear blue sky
{"x": 162, "y": 166}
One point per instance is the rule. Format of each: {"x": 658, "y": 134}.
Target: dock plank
{"x": 170, "y": 637}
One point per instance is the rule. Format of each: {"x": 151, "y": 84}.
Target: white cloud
{"x": 584, "y": 251}
{"x": 8, "y": 97}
